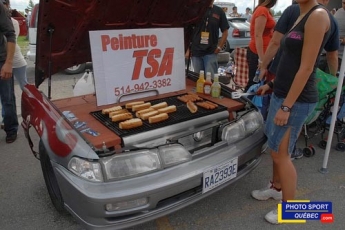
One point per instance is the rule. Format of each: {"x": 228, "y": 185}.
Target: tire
{"x": 76, "y": 69}
{"x": 226, "y": 46}
{"x": 323, "y": 144}
{"x": 340, "y": 146}
{"x": 308, "y": 152}
{"x": 51, "y": 181}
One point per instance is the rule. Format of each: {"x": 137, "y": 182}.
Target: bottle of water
{"x": 256, "y": 78}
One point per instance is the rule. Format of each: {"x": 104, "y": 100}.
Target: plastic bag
{"x": 326, "y": 83}
{"x": 257, "y": 100}
{"x": 85, "y": 85}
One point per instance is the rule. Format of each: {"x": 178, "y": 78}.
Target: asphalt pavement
{"x": 25, "y": 204}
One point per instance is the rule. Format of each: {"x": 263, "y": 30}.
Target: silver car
{"x": 124, "y": 177}
{"x": 239, "y": 34}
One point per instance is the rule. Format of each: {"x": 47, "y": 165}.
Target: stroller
{"x": 318, "y": 121}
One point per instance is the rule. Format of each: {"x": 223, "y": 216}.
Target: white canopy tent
{"x": 334, "y": 116}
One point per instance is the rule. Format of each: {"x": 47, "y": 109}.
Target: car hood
{"x": 63, "y": 26}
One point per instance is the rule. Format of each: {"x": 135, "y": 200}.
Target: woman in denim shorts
{"x": 294, "y": 97}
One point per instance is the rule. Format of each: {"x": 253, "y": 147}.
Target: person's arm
{"x": 332, "y": 61}
{"x": 260, "y": 23}
{"x": 315, "y": 28}
{"x": 272, "y": 49}
{"x": 222, "y": 40}
{"x": 6, "y": 27}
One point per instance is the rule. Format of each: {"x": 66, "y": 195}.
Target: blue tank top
{"x": 292, "y": 45}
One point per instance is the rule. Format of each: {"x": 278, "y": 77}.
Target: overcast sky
{"x": 241, "y": 4}
{"x": 21, "y": 4}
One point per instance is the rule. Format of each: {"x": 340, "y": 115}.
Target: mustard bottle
{"x": 200, "y": 82}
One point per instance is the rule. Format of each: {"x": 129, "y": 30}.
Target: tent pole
{"x": 334, "y": 116}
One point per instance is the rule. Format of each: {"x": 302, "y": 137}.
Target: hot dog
{"x": 130, "y": 104}
{"x": 112, "y": 109}
{"x": 143, "y": 111}
{"x": 160, "y": 105}
{"x": 169, "y": 109}
{"x": 117, "y": 112}
{"x": 141, "y": 106}
{"x": 121, "y": 117}
{"x": 146, "y": 116}
{"x": 192, "y": 107}
{"x": 158, "y": 118}
{"x": 131, "y": 124}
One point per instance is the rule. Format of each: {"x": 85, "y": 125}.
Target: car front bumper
{"x": 166, "y": 191}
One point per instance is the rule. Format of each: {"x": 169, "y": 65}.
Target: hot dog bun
{"x": 117, "y": 112}
{"x": 192, "y": 107}
{"x": 112, "y": 109}
{"x": 158, "y": 118}
{"x": 130, "y": 104}
{"x": 141, "y": 106}
{"x": 169, "y": 109}
{"x": 121, "y": 117}
{"x": 143, "y": 111}
{"x": 160, "y": 105}
{"x": 131, "y": 124}
{"x": 146, "y": 116}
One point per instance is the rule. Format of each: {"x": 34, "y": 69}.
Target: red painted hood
{"x": 64, "y": 25}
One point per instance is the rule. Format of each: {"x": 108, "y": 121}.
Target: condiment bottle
{"x": 216, "y": 87}
{"x": 208, "y": 84}
{"x": 200, "y": 82}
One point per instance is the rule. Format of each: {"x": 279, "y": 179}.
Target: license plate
{"x": 219, "y": 174}
{"x": 247, "y": 34}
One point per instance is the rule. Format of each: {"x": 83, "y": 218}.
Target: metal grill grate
{"x": 182, "y": 114}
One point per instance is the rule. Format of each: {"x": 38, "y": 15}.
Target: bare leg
{"x": 285, "y": 169}
{"x": 275, "y": 177}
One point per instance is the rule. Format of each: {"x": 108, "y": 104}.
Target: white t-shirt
{"x": 18, "y": 58}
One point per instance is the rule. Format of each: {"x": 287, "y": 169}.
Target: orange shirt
{"x": 268, "y": 31}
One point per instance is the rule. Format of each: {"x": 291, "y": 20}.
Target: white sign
{"x": 128, "y": 61}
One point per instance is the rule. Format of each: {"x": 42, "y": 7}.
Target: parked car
{"x": 123, "y": 178}
{"x": 31, "y": 54}
{"x": 239, "y": 34}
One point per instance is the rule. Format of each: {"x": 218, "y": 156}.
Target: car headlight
{"x": 252, "y": 121}
{"x": 174, "y": 154}
{"x": 131, "y": 164}
{"x": 88, "y": 170}
{"x": 242, "y": 128}
{"x": 233, "y": 132}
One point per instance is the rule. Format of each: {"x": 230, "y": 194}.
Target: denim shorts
{"x": 298, "y": 115}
